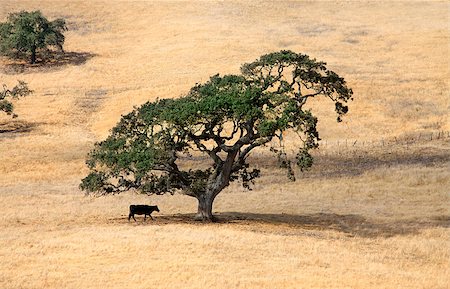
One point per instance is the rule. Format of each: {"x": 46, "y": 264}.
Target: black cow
{"x": 142, "y": 210}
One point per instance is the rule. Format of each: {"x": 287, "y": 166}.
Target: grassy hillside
{"x": 371, "y": 213}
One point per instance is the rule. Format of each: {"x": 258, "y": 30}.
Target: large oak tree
{"x": 225, "y": 118}
{"x": 25, "y": 33}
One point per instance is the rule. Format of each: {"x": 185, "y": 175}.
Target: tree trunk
{"x": 33, "y": 55}
{"x": 204, "y": 212}
{"x": 216, "y": 183}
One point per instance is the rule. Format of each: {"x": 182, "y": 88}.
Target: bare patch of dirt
{"x": 91, "y": 100}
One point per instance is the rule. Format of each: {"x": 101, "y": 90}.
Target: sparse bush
{"x": 20, "y": 90}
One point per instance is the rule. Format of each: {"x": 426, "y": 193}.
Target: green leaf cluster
{"x": 224, "y": 118}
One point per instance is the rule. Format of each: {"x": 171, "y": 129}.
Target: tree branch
{"x": 242, "y": 156}
{"x": 212, "y": 153}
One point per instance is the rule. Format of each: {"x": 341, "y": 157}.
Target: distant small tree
{"x": 20, "y": 90}
{"x": 225, "y": 119}
{"x": 25, "y": 33}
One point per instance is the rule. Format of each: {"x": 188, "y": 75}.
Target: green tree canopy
{"x": 20, "y": 90}
{"x": 225, "y": 118}
{"x": 25, "y": 33}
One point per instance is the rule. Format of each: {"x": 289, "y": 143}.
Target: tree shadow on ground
{"x": 52, "y": 62}
{"x": 286, "y": 224}
{"x": 14, "y": 128}
{"x": 357, "y": 162}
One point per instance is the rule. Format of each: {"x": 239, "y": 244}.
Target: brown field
{"x": 370, "y": 214}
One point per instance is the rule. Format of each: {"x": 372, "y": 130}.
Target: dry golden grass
{"x": 366, "y": 216}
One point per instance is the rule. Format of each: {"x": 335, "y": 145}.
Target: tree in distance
{"x": 20, "y": 90}
{"x": 225, "y": 118}
{"x": 25, "y": 33}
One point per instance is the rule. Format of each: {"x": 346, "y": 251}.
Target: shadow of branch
{"x": 286, "y": 224}
{"x": 354, "y": 225}
{"x": 50, "y": 62}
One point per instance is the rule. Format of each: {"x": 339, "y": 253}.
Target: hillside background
{"x": 373, "y": 212}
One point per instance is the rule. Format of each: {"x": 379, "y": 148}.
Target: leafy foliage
{"x": 24, "y": 33}
{"x": 20, "y": 90}
{"x": 225, "y": 118}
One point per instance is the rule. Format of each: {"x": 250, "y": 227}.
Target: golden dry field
{"x": 372, "y": 213}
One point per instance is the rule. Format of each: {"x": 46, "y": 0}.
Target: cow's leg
{"x": 151, "y": 217}
{"x": 133, "y": 217}
{"x": 145, "y": 217}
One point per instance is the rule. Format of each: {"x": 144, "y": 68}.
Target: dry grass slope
{"x": 369, "y": 215}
